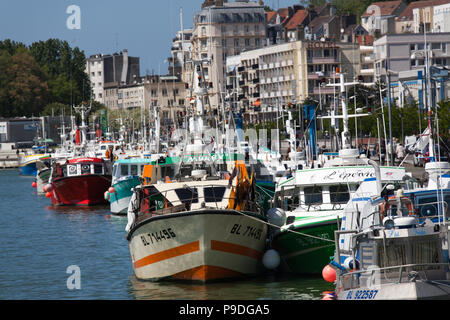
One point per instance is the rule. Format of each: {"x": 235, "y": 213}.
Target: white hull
{"x": 120, "y": 207}
{"x": 201, "y": 245}
{"x": 418, "y": 290}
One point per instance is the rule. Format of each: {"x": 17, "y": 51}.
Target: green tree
{"x": 23, "y": 83}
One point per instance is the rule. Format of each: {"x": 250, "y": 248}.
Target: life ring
{"x": 386, "y": 205}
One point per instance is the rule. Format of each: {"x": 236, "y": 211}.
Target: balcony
{"x": 255, "y": 66}
{"x": 317, "y": 60}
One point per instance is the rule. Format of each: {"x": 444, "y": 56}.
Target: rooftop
{"x": 387, "y": 8}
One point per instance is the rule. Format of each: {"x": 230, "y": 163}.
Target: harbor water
{"x": 45, "y": 247}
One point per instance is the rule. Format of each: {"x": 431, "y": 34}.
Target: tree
{"x": 24, "y": 88}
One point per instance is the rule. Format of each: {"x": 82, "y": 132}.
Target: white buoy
{"x": 271, "y": 259}
{"x": 276, "y": 216}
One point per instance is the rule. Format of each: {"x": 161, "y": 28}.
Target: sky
{"x": 144, "y": 27}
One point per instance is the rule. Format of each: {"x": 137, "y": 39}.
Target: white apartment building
{"x": 223, "y": 29}
{"x": 441, "y": 18}
{"x": 95, "y": 71}
{"x": 265, "y": 80}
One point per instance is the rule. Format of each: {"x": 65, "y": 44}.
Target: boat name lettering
{"x": 157, "y": 236}
{"x": 362, "y": 294}
{"x": 248, "y": 231}
{"x": 345, "y": 175}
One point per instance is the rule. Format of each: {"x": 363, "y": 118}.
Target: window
{"x": 247, "y": 42}
{"x": 203, "y": 31}
{"x": 85, "y": 169}
{"x": 313, "y": 195}
{"x": 214, "y": 194}
{"x": 98, "y": 169}
{"x": 187, "y": 195}
{"x": 133, "y": 170}
{"x": 257, "y": 42}
{"x": 123, "y": 170}
{"x": 236, "y": 43}
{"x": 339, "y": 194}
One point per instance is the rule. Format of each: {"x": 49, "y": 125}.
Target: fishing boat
{"x": 394, "y": 244}
{"x": 201, "y": 228}
{"x": 313, "y": 200}
{"x": 80, "y": 181}
{"x": 27, "y": 162}
{"x": 205, "y": 224}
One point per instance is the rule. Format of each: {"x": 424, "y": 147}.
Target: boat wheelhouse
{"x": 127, "y": 174}
{"x": 80, "y": 181}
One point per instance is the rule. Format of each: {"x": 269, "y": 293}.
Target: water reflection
{"x": 266, "y": 287}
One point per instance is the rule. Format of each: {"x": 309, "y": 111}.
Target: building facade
{"x": 223, "y": 29}
{"x": 401, "y": 53}
{"x": 267, "y": 80}
{"x": 109, "y": 70}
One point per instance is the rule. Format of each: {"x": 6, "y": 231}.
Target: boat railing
{"x": 438, "y": 217}
{"x": 374, "y": 276}
{"x": 160, "y": 202}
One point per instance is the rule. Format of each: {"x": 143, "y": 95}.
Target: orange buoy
{"x": 111, "y": 190}
{"x": 34, "y": 184}
{"x": 329, "y": 274}
{"x": 48, "y": 194}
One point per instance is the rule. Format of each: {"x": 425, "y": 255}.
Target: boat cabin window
{"x": 428, "y": 206}
{"x": 187, "y": 195}
{"x": 123, "y": 170}
{"x": 339, "y": 194}
{"x": 214, "y": 194}
{"x": 134, "y": 170}
{"x": 98, "y": 169}
{"x": 167, "y": 171}
{"x": 72, "y": 169}
{"x": 85, "y": 168}
{"x": 313, "y": 195}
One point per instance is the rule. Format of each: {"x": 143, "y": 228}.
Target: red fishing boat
{"x": 80, "y": 181}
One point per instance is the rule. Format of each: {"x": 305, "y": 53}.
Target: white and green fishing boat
{"x": 313, "y": 200}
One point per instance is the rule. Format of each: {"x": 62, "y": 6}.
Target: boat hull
{"x": 85, "y": 190}
{"x": 304, "y": 254}
{"x": 28, "y": 169}
{"x": 42, "y": 178}
{"x": 200, "y": 246}
{"x": 120, "y": 199}
{"x": 414, "y": 290}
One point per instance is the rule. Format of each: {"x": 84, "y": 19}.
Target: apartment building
{"x": 223, "y": 29}
{"x": 116, "y": 69}
{"x": 407, "y": 52}
{"x": 441, "y": 17}
{"x": 264, "y": 81}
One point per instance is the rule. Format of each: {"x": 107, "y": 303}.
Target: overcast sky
{"x": 144, "y": 27}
